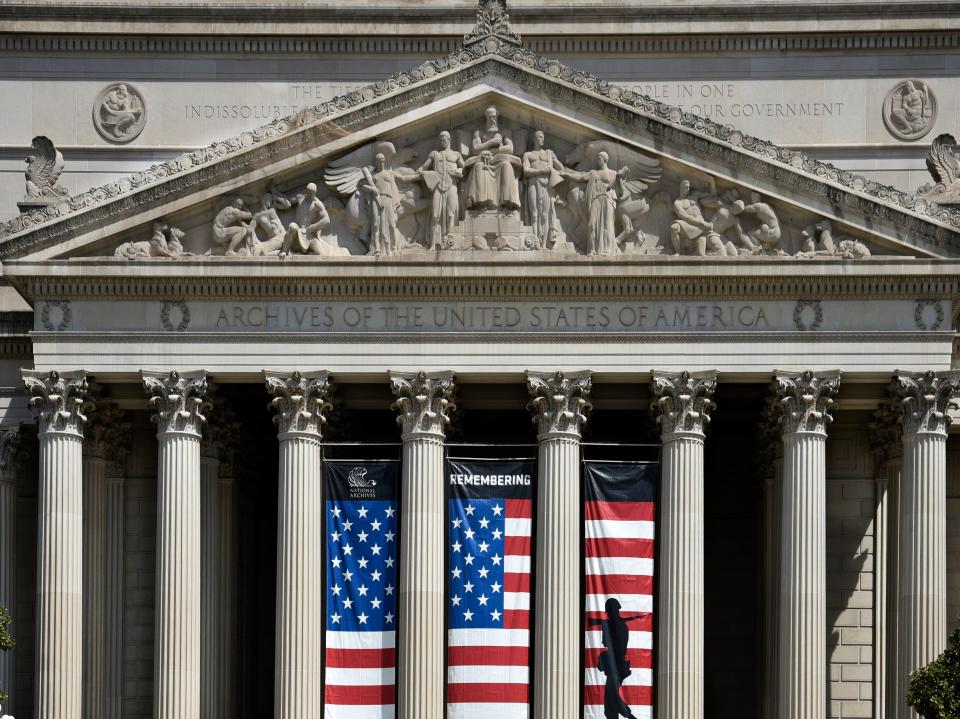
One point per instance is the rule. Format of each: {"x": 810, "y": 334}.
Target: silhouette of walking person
{"x": 613, "y": 661}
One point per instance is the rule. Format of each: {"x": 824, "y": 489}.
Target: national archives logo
{"x": 119, "y": 113}
{"x": 361, "y": 487}
{"x": 909, "y": 110}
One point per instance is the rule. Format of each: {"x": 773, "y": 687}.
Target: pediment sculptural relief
{"x": 494, "y": 183}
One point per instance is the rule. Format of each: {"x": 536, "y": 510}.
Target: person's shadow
{"x": 613, "y": 660}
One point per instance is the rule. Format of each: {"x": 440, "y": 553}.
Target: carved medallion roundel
{"x": 119, "y": 113}
{"x": 910, "y": 109}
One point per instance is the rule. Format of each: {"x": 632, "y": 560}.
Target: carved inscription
{"x": 731, "y": 100}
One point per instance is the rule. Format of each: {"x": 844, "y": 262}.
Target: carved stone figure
{"x": 542, "y": 169}
{"x": 165, "y": 242}
{"x": 440, "y": 172}
{"x": 690, "y": 233}
{"x": 601, "y": 200}
{"x": 818, "y": 241}
{"x": 44, "y": 168}
{"x": 119, "y": 113}
{"x": 233, "y": 228}
{"x": 385, "y": 204}
{"x": 345, "y": 174}
{"x": 943, "y": 162}
{"x": 304, "y": 234}
{"x": 268, "y": 219}
{"x": 767, "y": 235}
{"x": 637, "y": 172}
{"x": 725, "y": 223}
{"x": 492, "y": 182}
{"x": 909, "y": 110}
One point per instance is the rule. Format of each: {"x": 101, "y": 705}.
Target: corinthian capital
{"x": 108, "y": 434}
{"x": 178, "y": 400}
{"x": 423, "y": 401}
{"x": 885, "y": 433}
{"x": 59, "y": 400}
{"x": 300, "y": 400}
{"x": 805, "y": 399}
{"x": 559, "y": 402}
{"x": 684, "y": 400}
{"x": 13, "y": 453}
{"x": 923, "y": 398}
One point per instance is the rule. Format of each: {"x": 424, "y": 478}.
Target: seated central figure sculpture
{"x": 493, "y": 168}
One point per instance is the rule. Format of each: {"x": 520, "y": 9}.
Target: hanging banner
{"x": 488, "y": 600}
{"x": 361, "y": 589}
{"x": 619, "y": 513}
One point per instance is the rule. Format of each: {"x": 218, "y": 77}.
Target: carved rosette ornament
{"x": 178, "y": 400}
{"x": 423, "y": 400}
{"x": 559, "y": 402}
{"x": 60, "y": 400}
{"x": 684, "y": 401}
{"x": 923, "y": 399}
{"x": 805, "y": 399}
{"x": 300, "y": 401}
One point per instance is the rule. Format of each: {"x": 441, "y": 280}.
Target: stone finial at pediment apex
{"x": 493, "y": 22}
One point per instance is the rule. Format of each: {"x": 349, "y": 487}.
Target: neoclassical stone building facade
{"x": 410, "y": 267}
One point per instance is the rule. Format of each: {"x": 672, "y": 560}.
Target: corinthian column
{"x": 559, "y": 406}
{"x": 922, "y": 399}
{"x": 10, "y": 459}
{"x": 423, "y": 401}
{"x": 683, "y": 412}
{"x": 59, "y": 401}
{"x": 804, "y": 400}
{"x": 300, "y": 400}
{"x": 178, "y": 402}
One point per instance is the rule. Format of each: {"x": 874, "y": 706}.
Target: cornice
{"x": 931, "y": 228}
{"x": 560, "y": 44}
{"x": 673, "y": 278}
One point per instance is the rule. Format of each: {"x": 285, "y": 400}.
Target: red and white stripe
{"x": 488, "y": 670}
{"x": 619, "y": 538}
{"x": 360, "y": 681}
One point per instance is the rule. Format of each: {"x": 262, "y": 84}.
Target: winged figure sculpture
{"x": 44, "y": 168}
{"x": 943, "y": 162}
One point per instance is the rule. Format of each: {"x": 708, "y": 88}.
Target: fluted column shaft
{"x": 423, "y": 401}
{"x": 421, "y": 585}
{"x": 9, "y": 446}
{"x": 94, "y": 560}
{"x": 804, "y": 401}
{"x": 300, "y": 401}
{"x": 114, "y": 593}
{"x": 60, "y": 402}
{"x": 228, "y": 596}
{"x": 210, "y": 618}
{"x": 559, "y": 406}
{"x": 922, "y": 399}
{"x": 557, "y": 677}
{"x": 683, "y": 411}
{"x": 178, "y": 401}
{"x": 803, "y": 578}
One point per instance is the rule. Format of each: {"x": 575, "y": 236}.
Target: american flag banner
{"x": 488, "y": 628}
{"x": 619, "y": 515}
{"x": 361, "y": 589}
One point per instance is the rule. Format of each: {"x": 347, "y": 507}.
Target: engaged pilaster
{"x": 559, "y": 404}
{"x": 178, "y": 402}
{"x": 804, "y": 399}
{"x": 99, "y": 447}
{"x": 300, "y": 401}
{"x": 423, "y": 401}
{"x": 922, "y": 400}
{"x": 683, "y": 406}
{"x": 60, "y": 403}
{"x": 11, "y": 456}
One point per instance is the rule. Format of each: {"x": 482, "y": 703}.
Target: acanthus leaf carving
{"x": 923, "y": 399}
{"x": 423, "y": 401}
{"x": 805, "y": 399}
{"x": 684, "y": 400}
{"x": 59, "y": 400}
{"x": 559, "y": 402}
{"x": 493, "y": 23}
{"x": 108, "y": 434}
{"x": 886, "y": 433}
{"x": 177, "y": 400}
{"x": 13, "y": 451}
{"x": 301, "y": 401}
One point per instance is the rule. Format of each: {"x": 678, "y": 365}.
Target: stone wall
{"x": 850, "y": 551}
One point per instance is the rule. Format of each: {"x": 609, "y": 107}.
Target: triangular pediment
{"x": 740, "y": 186}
